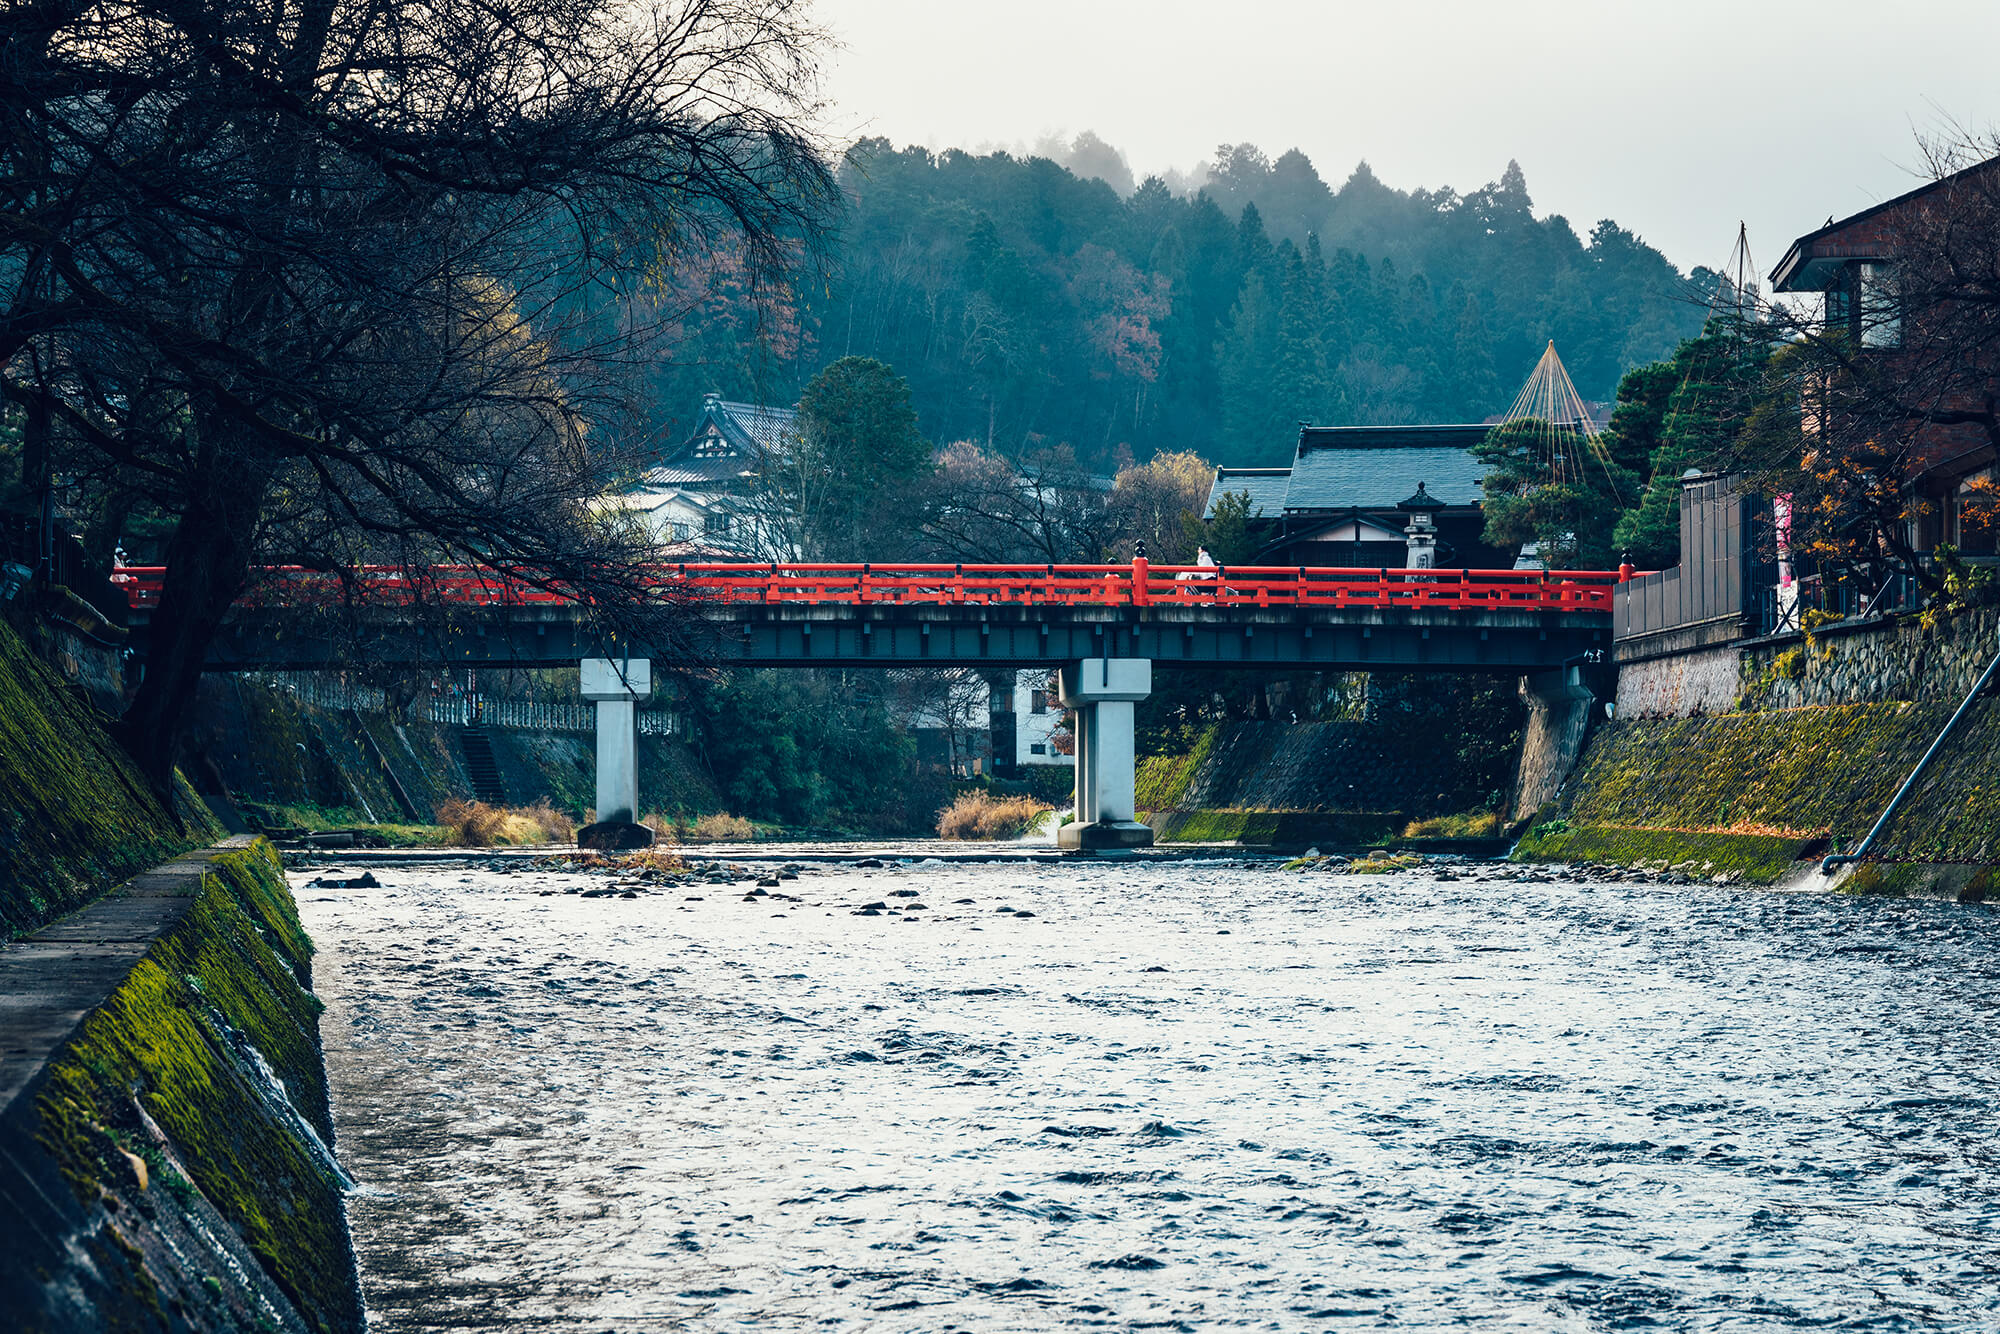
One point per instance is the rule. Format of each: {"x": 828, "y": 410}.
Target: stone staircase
{"x": 481, "y": 767}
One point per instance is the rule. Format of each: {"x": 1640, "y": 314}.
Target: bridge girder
{"x": 930, "y": 635}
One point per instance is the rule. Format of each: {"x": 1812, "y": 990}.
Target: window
{"x": 1038, "y": 749}
{"x": 677, "y": 531}
{"x": 1038, "y": 701}
{"x": 1878, "y": 305}
{"x": 715, "y": 525}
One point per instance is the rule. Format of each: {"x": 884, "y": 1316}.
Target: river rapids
{"x": 1157, "y": 1094}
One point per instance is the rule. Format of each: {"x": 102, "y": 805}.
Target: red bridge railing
{"x": 1134, "y": 584}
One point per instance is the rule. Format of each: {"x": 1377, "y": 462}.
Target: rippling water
{"x": 1179, "y": 1096}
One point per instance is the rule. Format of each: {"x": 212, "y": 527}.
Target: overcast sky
{"x": 1676, "y": 117}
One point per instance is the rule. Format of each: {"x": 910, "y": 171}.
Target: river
{"x": 1181, "y": 1095}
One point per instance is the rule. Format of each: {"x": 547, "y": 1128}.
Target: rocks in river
{"x": 366, "y": 880}
{"x": 1024, "y": 913}
{"x": 1003, "y": 908}
{"x": 1154, "y": 969}
{"x": 878, "y": 905}
{"x": 870, "y": 863}
{"x": 1133, "y": 1261}
{"x": 867, "y": 912}
{"x": 768, "y": 882}
{"x": 962, "y": 903}
{"x": 628, "y": 894}
{"x": 1161, "y": 1130}
{"x": 914, "y": 907}
{"x": 902, "y": 893}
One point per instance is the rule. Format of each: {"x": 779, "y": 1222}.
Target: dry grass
{"x": 980, "y": 815}
{"x": 721, "y": 827}
{"x": 666, "y": 829}
{"x": 474, "y": 824}
{"x": 1484, "y": 824}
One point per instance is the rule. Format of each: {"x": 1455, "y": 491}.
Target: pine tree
{"x": 1252, "y": 421}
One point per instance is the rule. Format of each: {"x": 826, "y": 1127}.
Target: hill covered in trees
{"x": 1030, "y": 306}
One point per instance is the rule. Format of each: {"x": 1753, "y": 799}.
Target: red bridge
{"x": 1104, "y": 627}
{"x": 864, "y": 585}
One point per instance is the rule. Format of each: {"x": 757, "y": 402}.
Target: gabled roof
{"x": 1363, "y": 468}
{"x": 1381, "y": 476}
{"x": 1266, "y": 488}
{"x": 727, "y": 441}
{"x": 1801, "y": 268}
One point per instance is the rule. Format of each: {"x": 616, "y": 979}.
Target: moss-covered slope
{"x": 1750, "y": 791}
{"x": 205, "y": 1065}
{"x": 75, "y": 815}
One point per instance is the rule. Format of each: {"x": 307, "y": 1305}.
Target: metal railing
{"x": 1133, "y": 584}
{"x": 533, "y": 715}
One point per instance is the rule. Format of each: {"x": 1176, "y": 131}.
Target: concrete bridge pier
{"x": 1102, "y": 691}
{"x": 617, "y": 685}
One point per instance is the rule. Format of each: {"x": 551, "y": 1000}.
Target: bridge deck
{"x": 940, "y": 615}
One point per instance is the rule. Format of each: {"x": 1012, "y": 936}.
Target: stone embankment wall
{"x": 76, "y": 817}
{"x": 1884, "y": 658}
{"x": 165, "y": 1166}
{"x": 260, "y": 744}
{"x": 1804, "y": 756}
{"x": 1337, "y": 783}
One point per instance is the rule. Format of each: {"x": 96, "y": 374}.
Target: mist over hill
{"x": 1032, "y": 303}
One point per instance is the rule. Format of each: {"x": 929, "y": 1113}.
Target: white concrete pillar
{"x": 617, "y": 761}
{"x": 1113, "y": 770}
{"x": 617, "y": 685}
{"x": 1102, "y": 691}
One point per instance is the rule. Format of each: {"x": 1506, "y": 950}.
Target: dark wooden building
{"x": 1338, "y": 504}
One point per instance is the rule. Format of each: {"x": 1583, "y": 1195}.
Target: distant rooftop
{"x": 728, "y": 440}
{"x": 1362, "y": 467}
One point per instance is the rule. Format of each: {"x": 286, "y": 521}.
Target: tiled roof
{"x": 689, "y": 469}
{"x": 1377, "y": 478}
{"x": 761, "y": 427}
{"x": 726, "y": 442}
{"x": 1266, "y": 487}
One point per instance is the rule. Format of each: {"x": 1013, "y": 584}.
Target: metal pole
{"x": 1828, "y": 863}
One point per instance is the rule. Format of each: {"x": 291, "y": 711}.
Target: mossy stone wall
{"x": 1279, "y": 829}
{"x": 1895, "y": 657}
{"x": 1802, "y": 773}
{"x": 76, "y": 817}
{"x": 176, "y": 1069}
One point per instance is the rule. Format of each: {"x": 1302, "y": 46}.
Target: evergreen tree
{"x": 1565, "y": 497}
{"x": 856, "y": 459}
{"x": 1252, "y": 416}
{"x": 1300, "y": 384}
{"x": 1683, "y": 413}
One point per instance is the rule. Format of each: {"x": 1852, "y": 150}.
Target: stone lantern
{"x": 1420, "y": 533}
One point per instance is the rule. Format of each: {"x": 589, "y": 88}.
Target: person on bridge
{"x": 1203, "y": 559}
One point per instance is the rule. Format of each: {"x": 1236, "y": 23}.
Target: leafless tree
{"x": 1046, "y": 508}
{"x": 1886, "y": 394}
{"x": 358, "y": 280}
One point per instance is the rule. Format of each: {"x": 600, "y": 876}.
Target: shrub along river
{"x": 1179, "y": 1095}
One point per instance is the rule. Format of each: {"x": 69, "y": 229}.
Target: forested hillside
{"x": 1029, "y": 306}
